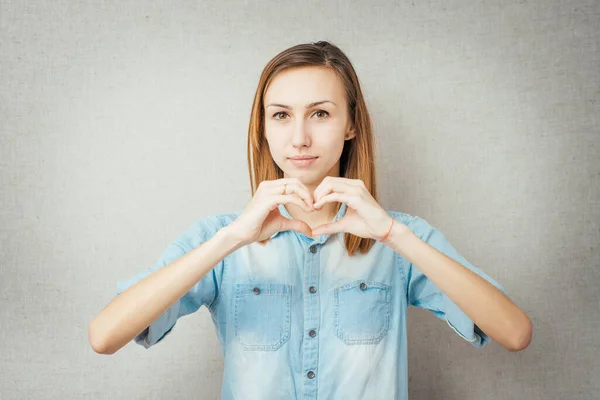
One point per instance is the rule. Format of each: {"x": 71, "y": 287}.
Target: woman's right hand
{"x": 261, "y": 217}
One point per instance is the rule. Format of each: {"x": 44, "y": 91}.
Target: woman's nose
{"x": 300, "y": 136}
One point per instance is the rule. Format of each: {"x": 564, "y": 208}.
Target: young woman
{"x": 308, "y": 286}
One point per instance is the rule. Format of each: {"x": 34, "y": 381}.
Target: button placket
{"x": 312, "y": 317}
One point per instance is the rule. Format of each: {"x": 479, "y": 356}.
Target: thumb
{"x": 295, "y": 225}
{"x": 329, "y": 229}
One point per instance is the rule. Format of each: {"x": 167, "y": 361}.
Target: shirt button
{"x": 312, "y": 333}
{"x": 312, "y": 289}
{"x": 313, "y": 249}
{"x": 363, "y": 286}
{"x": 310, "y": 374}
{"x": 256, "y": 290}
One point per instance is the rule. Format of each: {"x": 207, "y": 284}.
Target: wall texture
{"x": 122, "y": 122}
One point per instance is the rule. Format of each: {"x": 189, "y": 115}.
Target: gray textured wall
{"x": 121, "y": 123}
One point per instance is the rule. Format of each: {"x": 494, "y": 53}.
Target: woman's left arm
{"x": 492, "y": 311}
{"x": 488, "y": 308}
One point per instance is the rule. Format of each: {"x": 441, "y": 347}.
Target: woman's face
{"x": 306, "y": 115}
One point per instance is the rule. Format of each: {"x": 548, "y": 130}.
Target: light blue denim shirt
{"x": 300, "y": 319}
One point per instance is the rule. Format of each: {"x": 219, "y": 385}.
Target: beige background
{"x": 122, "y": 123}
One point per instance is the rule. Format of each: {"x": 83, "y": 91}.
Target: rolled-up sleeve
{"x": 204, "y": 292}
{"x": 423, "y": 293}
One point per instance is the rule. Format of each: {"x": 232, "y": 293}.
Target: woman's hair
{"x": 356, "y": 161}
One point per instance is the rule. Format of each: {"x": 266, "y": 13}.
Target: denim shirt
{"x": 300, "y": 319}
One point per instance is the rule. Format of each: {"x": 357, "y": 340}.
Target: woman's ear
{"x": 350, "y": 134}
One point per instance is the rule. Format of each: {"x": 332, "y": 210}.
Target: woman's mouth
{"x": 303, "y": 161}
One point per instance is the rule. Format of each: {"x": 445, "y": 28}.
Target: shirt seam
{"x": 404, "y": 264}
{"x": 187, "y": 249}
{"x": 215, "y": 303}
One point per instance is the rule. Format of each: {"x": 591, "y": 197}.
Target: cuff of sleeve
{"x": 463, "y": 325}
{"x": 157, "y": 329}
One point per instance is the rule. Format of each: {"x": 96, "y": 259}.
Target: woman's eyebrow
{"x": 311, "y": 105}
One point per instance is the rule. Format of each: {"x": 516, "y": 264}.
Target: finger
{"x": 339, "y": 197}
{"x": 296, "y": 225}
{"x": 297, "y": 187}
{"x": 290, "y": 199}
{"x": 330, "y": 228}
{"x": 340, "y": 185}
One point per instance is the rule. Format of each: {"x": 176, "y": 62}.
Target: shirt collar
{"x": 284, "y": 212}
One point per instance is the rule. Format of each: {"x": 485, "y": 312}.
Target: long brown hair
{"x": 357, "y": 159}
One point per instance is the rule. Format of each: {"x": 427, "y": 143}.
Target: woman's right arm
{"x": 132, "y": 311}
{"x": 136, "y": 308}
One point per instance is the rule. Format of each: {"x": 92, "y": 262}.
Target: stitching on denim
{"x": 285, "y": 293}
{"x": 347, "y": 338}
{"x": 457, "y": 331}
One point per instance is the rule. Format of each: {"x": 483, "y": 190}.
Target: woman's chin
{"x": 308, "y": 178}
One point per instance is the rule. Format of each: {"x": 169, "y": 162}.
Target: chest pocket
{"x": 262, "y": 315}
{"x": 362, "y": 312}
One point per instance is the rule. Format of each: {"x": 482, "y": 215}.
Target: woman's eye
{"x": 276, "y": 114}
{"x": 322, "y": 112}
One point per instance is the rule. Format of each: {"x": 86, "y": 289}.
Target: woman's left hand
{"x": 364, "y": 216}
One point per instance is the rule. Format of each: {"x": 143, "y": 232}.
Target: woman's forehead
{"x": 301, "y": 86}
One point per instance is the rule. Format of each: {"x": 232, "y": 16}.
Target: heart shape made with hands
{"x": 364, "y": 217}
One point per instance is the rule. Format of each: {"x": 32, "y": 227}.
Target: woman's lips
{"x": 303, "y": 162}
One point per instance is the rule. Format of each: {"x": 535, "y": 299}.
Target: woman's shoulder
{"x": 403, "y": 217}
{"x": 415, "y": 222}
{"x": 204, "y": 227}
